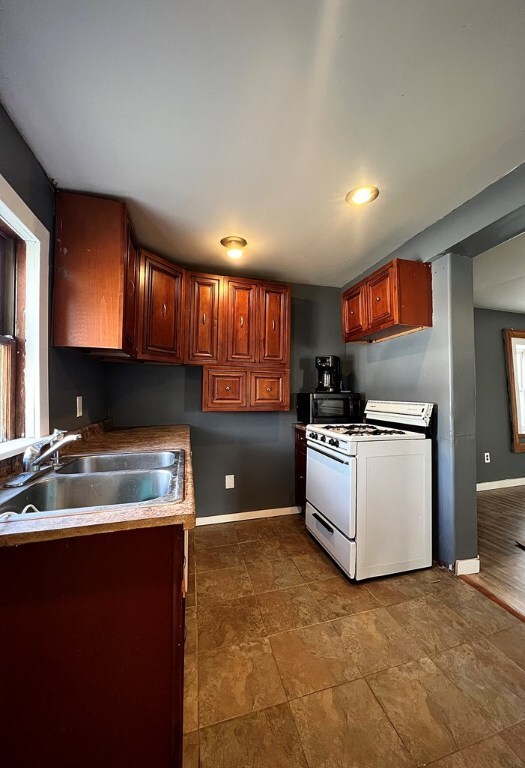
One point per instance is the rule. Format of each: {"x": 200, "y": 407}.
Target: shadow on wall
{"x": 383, "y": 369}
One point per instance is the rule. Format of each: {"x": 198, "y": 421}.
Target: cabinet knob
{"x": 378, "y": 298}
{"x": 273, "y": 325}
{"x": 242, "y": 322}
{"x": 351, "y": 311}
{"x": 164, "y": 308}
{"x": 131, "y": 287}
{"x": 204, "y": 318}
{"x": 268, "y": 389}
{"x": 227, "y": 389}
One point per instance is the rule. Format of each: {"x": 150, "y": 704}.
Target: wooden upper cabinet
{"x": 203, "y": 318}
{"x": 114, "y": 299}
{"x": 240, "y": 321}
{"x": 274, "y": 324}
{"x": 131, "y": 295}
{"x": 269, "y": 390}
{"x": 93, "y": 263}
{"x": 395, "y": 300}
{"x": 245, "y": 389}
{"x": 354, "y": 312}
{"x": 224, "y": 389}
{"x": 161, "y": 310}
{"x": 380, "y": 298}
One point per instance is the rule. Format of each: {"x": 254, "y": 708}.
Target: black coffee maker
{"x": 328, "y": 373}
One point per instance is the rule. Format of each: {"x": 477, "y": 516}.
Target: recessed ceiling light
{"x": 362, "y": 195}
{"x": 234, "y": 246}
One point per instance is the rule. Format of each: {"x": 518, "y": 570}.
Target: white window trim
{"x": 19, "y": 217}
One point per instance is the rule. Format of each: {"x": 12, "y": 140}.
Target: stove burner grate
{"x": 362, "y": 429}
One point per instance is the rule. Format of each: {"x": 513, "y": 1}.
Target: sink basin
{"x": 116, "y": 462}
{"x": 57, "y": 494}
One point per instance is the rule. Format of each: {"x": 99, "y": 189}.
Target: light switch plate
{"x": 229, "y": 481}
{"x": 79, "y": 406}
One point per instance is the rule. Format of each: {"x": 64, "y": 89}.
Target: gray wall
{"x": 255, "y": 447}
{"x": 492, "y": 403}
{"x": 70, "y": 374}
{"x": 436, "y": 365}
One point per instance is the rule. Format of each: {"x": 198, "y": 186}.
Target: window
{"x": 24, "y": 271}
{"x": 8, "y": 345}
{"x": 518, "y": 352}
{"x": 515, "y": 354}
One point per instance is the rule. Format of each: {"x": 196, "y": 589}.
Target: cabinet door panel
{"x": 380, "y": 298}
{"x": 162, "y": 310}
{"x": 274, "y": 325}
{"x": 240, "y": 322}
{"x": 269, "y": 390}
{"x": 224, "y": 390}
{"x": 203, "y": 325}
{"x": 354, "y": 313}
{"x": 131, "y": 294}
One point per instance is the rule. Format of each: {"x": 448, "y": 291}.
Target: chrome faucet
{"x": 35, "y": 454}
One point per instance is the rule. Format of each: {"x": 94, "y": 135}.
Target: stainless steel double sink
{"x": 84, "y": 483}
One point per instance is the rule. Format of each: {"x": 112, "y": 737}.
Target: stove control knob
{"x": 334, "y": 442}
{"x": 323, "y": 438}
{"x": 313, "y": 435}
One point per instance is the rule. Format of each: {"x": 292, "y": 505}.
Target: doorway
{"x": 499, "y": 305}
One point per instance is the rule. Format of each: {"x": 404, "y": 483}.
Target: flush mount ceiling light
{"x": 362, "y": 195}
{"x": 234, "y": 246}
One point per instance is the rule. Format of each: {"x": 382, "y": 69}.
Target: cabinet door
{"x": 269, "y": 390}
{"x": 274, "y": 336}
{"x": 354, "y": 313}
{"x": 162, "y": 296}
{"x": 224, "y": 390}
{"x": 240, "y": 321}
{"x": 84, "y": 598}
{"x": 380, "y": 299}
{"x": 131, "y": 294}
{"x": 203, "y": 318}
{"x": 300, "y": 475}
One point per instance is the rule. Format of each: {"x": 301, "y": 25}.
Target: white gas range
{"x": 369, "y": 489}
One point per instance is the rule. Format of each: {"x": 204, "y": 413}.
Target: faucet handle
{"x": 57, "y": 434}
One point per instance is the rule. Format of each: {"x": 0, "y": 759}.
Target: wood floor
{"x": 501, "y": 521}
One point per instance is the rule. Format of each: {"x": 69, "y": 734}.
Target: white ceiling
{"x": 255, "y": 117}
{"x": 499, "y": 277}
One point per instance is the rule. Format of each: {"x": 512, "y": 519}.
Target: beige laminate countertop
{"x": 164, "y": 511}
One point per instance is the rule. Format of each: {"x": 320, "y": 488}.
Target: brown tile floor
{"x": 291, "y": 665}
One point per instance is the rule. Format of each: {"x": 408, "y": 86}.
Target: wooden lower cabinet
{"x": 243, "y": 389}
{"x": 92, "y": 640}
{"x": 300, "y": 467}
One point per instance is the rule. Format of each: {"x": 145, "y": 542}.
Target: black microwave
{"x": 329, "y": 407}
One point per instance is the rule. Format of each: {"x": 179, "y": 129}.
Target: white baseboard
{"x": 238, "y": 516}
{"x": 510, "y": 483}
{"x": 465, "y": 567}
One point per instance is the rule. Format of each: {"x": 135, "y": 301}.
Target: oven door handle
{"x": 320, "y": 520}
{"x": 328, "y": 455}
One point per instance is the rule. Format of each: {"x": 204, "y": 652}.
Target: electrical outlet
{"x": 487, "y": 458}
{"x": 79, "y": 406}
{"x": 229, "y": 481}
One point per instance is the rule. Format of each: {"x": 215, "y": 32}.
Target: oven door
{"x": 331, "y": 486}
